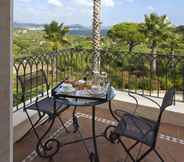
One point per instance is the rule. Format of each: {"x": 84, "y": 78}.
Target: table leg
{"x": 94, "y": 134}
{"x": 75, "y": 120}
{"x": 111, "y": 111}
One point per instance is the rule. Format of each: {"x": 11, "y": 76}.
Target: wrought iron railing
{"x": 143, "y": 73}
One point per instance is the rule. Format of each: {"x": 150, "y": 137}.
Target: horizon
{"x": 27, "y": 23}
{"x": 80, "y": 11}
{"x": 32, "y": 23}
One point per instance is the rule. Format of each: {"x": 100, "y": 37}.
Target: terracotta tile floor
{"x": 170, "y": 142}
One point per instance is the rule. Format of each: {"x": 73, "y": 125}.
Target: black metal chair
{"x": 135, "y": 127}
{"x": 45, "y": 105}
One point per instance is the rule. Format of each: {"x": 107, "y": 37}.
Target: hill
{"x": 75, "y": 29}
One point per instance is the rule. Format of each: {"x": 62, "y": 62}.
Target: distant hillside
{"x": 85, "y": 31}
{"x": 27, "y": 25}
{"x": 75, "y": 29}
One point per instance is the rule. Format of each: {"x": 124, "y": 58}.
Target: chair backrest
{"x": 168, "y": 99}
{"x": 33, "y": 80}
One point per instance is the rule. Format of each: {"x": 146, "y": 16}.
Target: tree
{"x": 96, "y": 34}
{"x": 180, "y": 30}
{"x": 128, "y": 33}
{"x": 55, "y": 33}
{"x": 156, "y": 29}
{"x": 173, "y": 41}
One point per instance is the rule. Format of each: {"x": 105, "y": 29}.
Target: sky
{"x": 80, "y": 11}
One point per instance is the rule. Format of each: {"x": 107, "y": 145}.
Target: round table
{"x": 81, "y": 101}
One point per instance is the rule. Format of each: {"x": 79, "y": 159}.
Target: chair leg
{"x": 33, "y": 125}
{"x": 131, "y": 147}
{"x": 159, "y": 156}
{"x": 145, "y": 154}
{"x": 34, "y": 129}
{"x": 127, "y": 150}
{"x": 62, "y": 123}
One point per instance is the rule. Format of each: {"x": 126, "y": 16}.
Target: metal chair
{"x": 135, "y": 127}
{"x": 45, "y": 105}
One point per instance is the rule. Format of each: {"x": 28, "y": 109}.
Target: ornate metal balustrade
{"x": 145, "y": 73}
{"x": 135, "y": 71}
{"x": 70, "y": 63}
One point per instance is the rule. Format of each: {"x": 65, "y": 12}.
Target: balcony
{"x": 128, "y": 72}
{"x": 170, "y": 140}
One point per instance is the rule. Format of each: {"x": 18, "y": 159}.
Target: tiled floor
{"x": 170, "y": 142}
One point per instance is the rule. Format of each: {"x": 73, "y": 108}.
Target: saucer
{"x": 68, "y": 90}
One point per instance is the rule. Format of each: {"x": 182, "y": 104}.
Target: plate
{"x": 96, "y": 92}
{"x": 63, "y": 90}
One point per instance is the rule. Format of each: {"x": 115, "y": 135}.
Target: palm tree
{"x": 56, "y": 33}
{"x": 173, "y": 42}
{"x": 96, "y": 34}
{"x": 156, "y": 29}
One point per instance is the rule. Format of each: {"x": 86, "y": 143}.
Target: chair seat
{"x": 137, "y": 128}
{"x": 46, "y": 105}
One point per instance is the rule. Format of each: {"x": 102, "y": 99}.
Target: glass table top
{"x": 83, "y": 97}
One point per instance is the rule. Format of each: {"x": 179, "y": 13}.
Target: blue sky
{"x": 80, "y": 11}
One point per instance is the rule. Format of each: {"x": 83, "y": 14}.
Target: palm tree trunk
{"x": 173, "y": 57}
{"x": 154, "y": 63}
{"x": 96, "y": 34}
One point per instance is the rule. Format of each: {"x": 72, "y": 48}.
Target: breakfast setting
{"x": 82, "y": 87}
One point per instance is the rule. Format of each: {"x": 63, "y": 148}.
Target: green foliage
{"x": 56, "y": 33}
{"x": 79, "y": 42}
{"x": 180, "y": 30}
{"x": 26, "y": 42}
{"x": 156, "y": 29}
{"x": 173, "y": 42}
{"x": 128, "y": 33}
{"x": 156, "y": 33}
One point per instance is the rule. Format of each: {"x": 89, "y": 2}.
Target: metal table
{"x": 76, "y": 100}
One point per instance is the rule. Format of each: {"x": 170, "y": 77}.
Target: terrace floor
{"x": 170, "y": 141}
